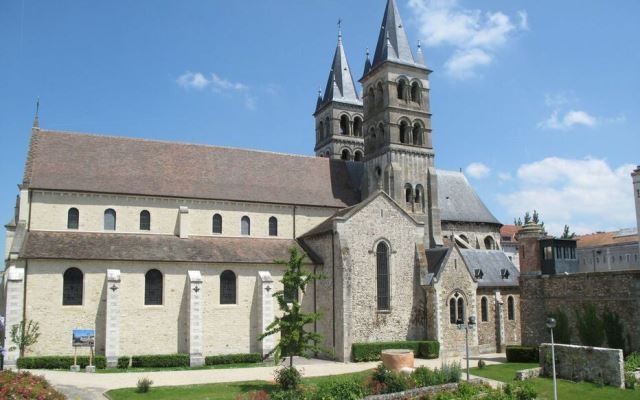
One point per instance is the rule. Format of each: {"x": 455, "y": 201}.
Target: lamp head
{"x": 551, "y": 323}
{"x": 472, "y": 320}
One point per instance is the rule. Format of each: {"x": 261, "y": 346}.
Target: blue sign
{"x": 83, "y": 337}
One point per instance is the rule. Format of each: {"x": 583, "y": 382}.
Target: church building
{"x": 165, "y": 247}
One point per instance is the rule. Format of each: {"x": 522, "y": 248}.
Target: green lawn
{"x": 566, "y": 389}
{"x": 213, "y": 391}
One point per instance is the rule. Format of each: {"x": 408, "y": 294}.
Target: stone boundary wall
{"x": 408, "y": 394}
{"x": 525, "y": 374}
{"x": 542, "y": 295}
{"x": 583, "y": 363}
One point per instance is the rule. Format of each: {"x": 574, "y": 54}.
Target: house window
{"x": 484, "y": 309}
{"x": 245, "y": 226}
{"x": 228, "y": 287}
{"x": 511, "y": 312}
{"x": 382, "y": 276}
{"x": 217, "y": 223}
{"x": 273, "y": 226}
{"x": 153, "y": 288}
{"x": 109, "y": 220}
{"x": 72, "y": 287}
{"x": 456, "y": 309}
{"x": 73, "y": 218}
{"x": 145, "y": 220}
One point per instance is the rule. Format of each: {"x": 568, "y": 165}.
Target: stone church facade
{"x": 165, "y": 248}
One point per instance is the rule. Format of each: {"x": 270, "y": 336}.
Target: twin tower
{"x": 388, "y": 129}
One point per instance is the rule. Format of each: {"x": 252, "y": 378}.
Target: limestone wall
{"x": 581, "y": 363}
{"x": 476, "y": 233}
{"x": 541, "y": 296}
{"x": 498, "y": 330}
{"x": 146, "y": 329}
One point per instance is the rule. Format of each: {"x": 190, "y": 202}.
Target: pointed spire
{"x": 340, "y": 85}
{"x": 319, "y": 101}
{"x": 367, "y": 64}
{"x": 392, "y": 34}
{"x": 36, "y": 121}
{"x": 419, "y": 56}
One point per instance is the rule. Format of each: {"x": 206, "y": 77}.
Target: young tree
{"x": 295, "y": 340}
{"x": 527, "y": 218}
{"x": 536, "y": 217}
{"x": 566, "y": 234}
{"x": 24, "y": 335}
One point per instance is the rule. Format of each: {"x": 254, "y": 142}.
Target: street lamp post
{"x": 551, "y": 323}
{"x": 469, "y": 325}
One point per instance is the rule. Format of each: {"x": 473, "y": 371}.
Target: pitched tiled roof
{"x": 134, "y": 247}
{"x": 607, "y": 238}
{"x": 459, "y": 202}
{"x": 510, "y": 231}
{"x": 107, "y": 164}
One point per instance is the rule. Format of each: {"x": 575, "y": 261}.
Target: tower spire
{"x": 367, "y": 63}
{"x": 419, "y": 56}
{"x": 392, "y": 34}
{"x": 36, "y": 121}
{"x": 340, "y": 85}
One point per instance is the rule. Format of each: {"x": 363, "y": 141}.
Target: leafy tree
{"x": 562, "y": 331}
{"x": 613, "y": 330}
{"x": 536, "y": 217}
{"x": 566, "y": 234}
{"x": 517, "y": 222}
{"x": 590, "y": 326}
{"x": 295, "y": 340}
{"x": 24, "y": 335}
{"x": 527, "y": 218}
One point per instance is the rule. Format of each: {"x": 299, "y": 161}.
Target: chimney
{"x": 529, "y": 248}
{"x": 183, "y": 215}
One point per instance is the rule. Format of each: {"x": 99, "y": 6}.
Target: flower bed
{"x": 23, "y": 385}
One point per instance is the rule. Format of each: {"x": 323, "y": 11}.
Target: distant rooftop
{"x": 627, "y": 235}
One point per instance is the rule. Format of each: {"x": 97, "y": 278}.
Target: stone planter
{"x": 397, "y": 359}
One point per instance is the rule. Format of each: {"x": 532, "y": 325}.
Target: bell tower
{"x": 338, "y": 115}
{"x": 399, "y": 155}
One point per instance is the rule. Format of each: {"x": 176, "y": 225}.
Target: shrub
{"x": 451, "y": 372}
{"x": 233, "y": 359}
{"x": 522, "y": 354}
{"x": 288, "y": 378}
{"x": 144, "y": 384}
{"x": 257, "y": 395}
{"x": 589, "y": 325}
{"x": 341, "y": 389}
{"x": 562, "y": 331}
{"x": 287, "y": 395}
{"x": 23, "y": 385}
{"x": 58, "y": 362}
{"x": 481, "y": 364}
{"x": 520, "y": 391}
{"x": 387, "y": 381}
{"x": 630, "y": 380}
{"x": 632, "y": 362}
{"x": 371, "y": 351}
{"x": 123, "y": 362}
{"x": 613, "y": 330}
{"x": 160, "y": 361}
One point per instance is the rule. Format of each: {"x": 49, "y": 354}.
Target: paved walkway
{"x": 81, "y": 386}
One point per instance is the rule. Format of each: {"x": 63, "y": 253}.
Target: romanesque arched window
{"x": 371, "y": 101}
{"x": 145, "y": 220}
{"x": 461, "y": 309}
{"x": 419, "y": 195}
{"x": 511, "y": 312}
{"x": 415, "y": 92}
{"x": 402, "y": 89}
{"x": 404, "y": 132}
{"x": 379, "y": 95}
{"x": 72, "y": 286}
{"x": 345, "y": 155}
{"x": 344, "y": 125}
{"x": 153, "y": 288}
{"x": 227, "y": 287}
{"x": 357, "y": 127}
{"x": 382, "y": 276}
{"x": 321, "y": 130}
{"x": 357, "y": 156}
{"x": 109, "y": 220}
{"x": 245, "y": 226}
{"x": 327, "y": 127}
{"x": 216, "y": 224}
{"x": 408, "y": 193}
{"x": 489, "y": 243}
{"x": 381, "y": 131}
{"x": 273, "y": 226}
{"x": 456, "y": 309}
{"x": 73, "y": 218}
{"x": 484, "y": 309}
{"x": 417, "y": 134}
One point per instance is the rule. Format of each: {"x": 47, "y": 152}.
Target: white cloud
{"x": 198, "y": 81}
{"x": 570, "y": 119}
{"x": 504, "y": 176}
{"x": 474, "y": 35}
{"x": 190, "y": 80}
{"x": 477, "y": 170}
{"x": 588, "y": 194}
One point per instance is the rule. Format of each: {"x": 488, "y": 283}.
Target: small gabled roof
{"x": 340, "y": 85}
{"x": 493, "y": 264}
{"x": 393, "y": 44}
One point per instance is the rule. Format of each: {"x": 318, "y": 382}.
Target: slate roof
{"x": 134, "y": 247}
{"x": 392, "y": 44}
{"x": 107, "y": 164}
{"x": 459, "y": 202}
{"x": 340, "y": 85}
{"x": 491, "y": 262}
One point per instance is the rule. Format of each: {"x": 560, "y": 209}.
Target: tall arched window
{"x": 73, "y": 218}
{"x": 452, "y": 311}
{"x": 415, "y": 92}
{"x": 402, "y": 88}
{"x": 484, "y": 309}
{"x": 357, "y": 127}
{"x": 404, "y": 132}
{"x": 382, "y": 276}
{"x": 345, "y": 155}
{"x": 145, "y": 220}
{"x": 456, "y": 308}
{"x": 417, "y": 134}
{"x": 379, "y": 94}
{"x": 489, "y": 243}
{"x": 381, "y": 132}
{"x": 273, "y": 226}
{"x": 153, "y": 288}
{"x": 109, "y": 220}
{"x": 408, "y": 193}
{"x": 461, "y": 309}
{"x": 371, "y": 101}
{"x": 321, "y": 131}
{"x": 511, "y": 312}
{"x": 216, "y": 224}
{"x": 245, "y": 226}
{"x": 327, "y": 127}
{"x": 72, "y": 287}
{"x": 357, "y": 156}
{"x": 344, "y": 125}
{"x": 227, "y": 287}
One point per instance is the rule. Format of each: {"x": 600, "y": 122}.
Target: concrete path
{"x": 81, "y": 386}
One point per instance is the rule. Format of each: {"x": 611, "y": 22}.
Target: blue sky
{"x": 538, "y": 102}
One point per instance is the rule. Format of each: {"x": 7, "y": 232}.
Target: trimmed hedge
{"x": 371, "y": 351}
{"x": 58, "y": 362}
{"x": 123, "y": 362}
{"x": 233, "y": 359}
{"x": 522, "y": 354}
{"x": 160, "y": 361}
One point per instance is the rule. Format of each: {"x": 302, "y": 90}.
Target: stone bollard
{"x": 397, "y": 359}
